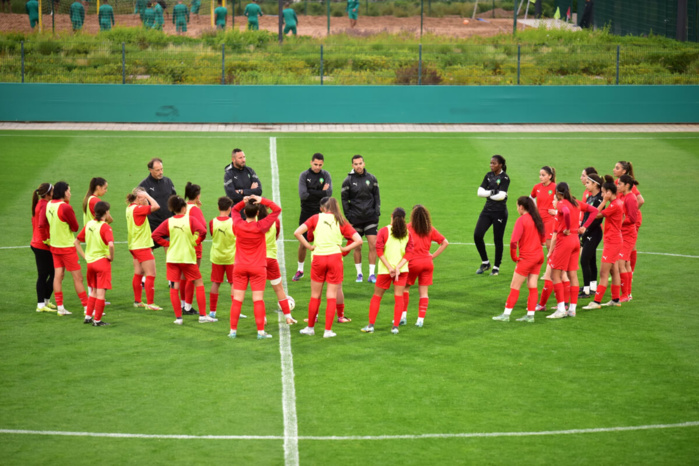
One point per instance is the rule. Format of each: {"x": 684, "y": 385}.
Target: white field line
{"x": 687, "y": 256}
{"x": 291, "y": 444}
{"x": 209, "y": 136}
{"x": 596, "y": 430}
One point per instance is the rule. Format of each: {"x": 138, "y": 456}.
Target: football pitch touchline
{"x": 291, "y": 444}
{"x": 596, "y": 430}
{"x": 687, "y": 256}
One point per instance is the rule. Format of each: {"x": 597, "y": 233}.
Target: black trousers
{"x": 588, "y": 256}
{"x": 45, "y": 271}
{"x": 498, "y": 221}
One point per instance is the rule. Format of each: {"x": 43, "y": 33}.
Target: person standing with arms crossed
{"x": 361, "y": 204}
{"x": 494, "y": 188}
{"x": 252, "y": 11}
{"x": 239, "y": 180}
{"x": 314, "y": 184}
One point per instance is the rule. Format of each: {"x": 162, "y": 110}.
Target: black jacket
{"x": 234, "y": 180}
{"x": 160, "y": 190}
{"x": 311, "y": 189}
{"x": 361, "y": 201}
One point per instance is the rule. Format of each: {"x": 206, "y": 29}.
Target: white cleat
{"x": 329, "y": 334}
{"x": 178, "y": 322}
{"x": 557, "y": 315}
{"x": 307, "y": 331}
{"x": 205, "y": 319}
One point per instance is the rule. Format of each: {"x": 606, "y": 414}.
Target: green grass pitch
{"x": 461, "y": 375}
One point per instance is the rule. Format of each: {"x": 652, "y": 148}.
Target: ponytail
{"x": 551, "y": 171}
{"x": 191, "y": 191}
{"x": 331, "y": 206}
{"x": 39, "y": 193}
{"x": 501, "y": 159}
{"x": 563, "y": 189}
{"x": 94, "y": 184}
{"x": 399, "y": 229}
{"x": 627, "y": 167}
{"x": 628, "y": 179}
{"x": 609, "y": 184}
{"x": 175, "y": 204}
{"x": 528, "y": 205}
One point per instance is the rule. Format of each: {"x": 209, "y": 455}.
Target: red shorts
{"x": 327, "y": 269}
{"x": 175, "y": 272}
{"x": 273, "y": 271}
{"x": 626, "y": 248}
{"x": 256, "y": 276}
{"x": 566, "y": 253}
{"x": 218, "y": 271}
{"x": 529, "y": 267}
{"x": 99, "y": 274}
{"x": 142, "y": 255}
{"x": 420, "y": 270}
{"x": 384, "y": 280}
{"x": 610, "y": 253}
{"x": 65, "y": 258}
{"x": 549, "y": 226}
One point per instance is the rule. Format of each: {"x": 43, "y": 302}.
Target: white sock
{"x": 404, "y": 315}
{"x": 40, "y": 305}
{"x": 530, "y": 313}
{"x": 485, "y": 262}
{"x": 372, "y": 269}
{"x": 181, "y": 302}
{"x": 187, "y": 307}
{"x": 359, "y": 268}
{"x": 572, "y": 307}
{"x": 61, "y": 308}
{"x": 507, "y": 312}
{"x": 420, "y": 320}
{"x": 46, "y": 302}
{"x": 300, "y": 267}
{"x": 561, "y": 307}
{"x": 586, "y": 289}
{"x": 593, "y": 286}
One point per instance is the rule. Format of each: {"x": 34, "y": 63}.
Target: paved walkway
{"x": 355, "y": 128}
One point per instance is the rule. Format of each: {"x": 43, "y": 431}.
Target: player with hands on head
{"x": 140, "y": 243}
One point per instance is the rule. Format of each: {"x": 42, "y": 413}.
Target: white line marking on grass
{"x": 596, "y": 430}
{"x": 291, "y": 444}
{"x": 355, "y": 136}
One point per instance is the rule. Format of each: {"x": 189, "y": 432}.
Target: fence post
{"x": 419, "y": 67}
{"x": 519, "y": 54}
{"x": 22, "y": 61}
{"x": 618, "y": 47}
{"x": 321, "y": 65}
{"x": 223, "y": 63}
{"x": 123, "y": 63}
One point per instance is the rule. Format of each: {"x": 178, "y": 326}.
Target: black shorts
{"x": 305, "y": 215}
{"x": 368, "y": 228}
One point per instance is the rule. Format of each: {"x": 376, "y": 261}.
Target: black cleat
{"x": 99, "y": 324}
{"x": 87, "y": 321}
{"x": 495, "y": 272}
{"x": 483, "y": 268}
{"x": 191, "y": 312}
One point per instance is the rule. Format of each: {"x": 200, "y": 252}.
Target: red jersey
{"x": 105, "y": 233}
{"x": 568, "y": 217}
{"x": 421, "y": 244}
{"x": 544, "y": 196}
{"x": 614, "y": 216}
{"x": 631, "y": 215}
{"x": 250, "y": 243}
{"x": 382, "y": 237}
{"x": 163, "y": 231}
{"x": 196, "y": 212}
{"x": 526, "y": 235}
{"x": 140, "y": 214}
{"x": 91, "y": 203}
{"x": 40, "y": 226}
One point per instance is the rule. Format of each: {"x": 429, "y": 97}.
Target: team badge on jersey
{"x": 322, "y": 180}
{"x": 367, "y": 182}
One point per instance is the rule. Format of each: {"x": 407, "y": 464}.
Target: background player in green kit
{"x": 220, "y": 14}
{"x": 290, "y": 19}
{"x": 77, "y": 15}
{"x": 32, "y": 8}
{"x": 252, "y": 11}
{"x": 194, "y": 8}
{"x": 180, "y": 17}
{"x": 353, "y": 12}
{"x": 159, "y": 17}
{"x": 149, "y": 16}
{"x": 105, "y": 16}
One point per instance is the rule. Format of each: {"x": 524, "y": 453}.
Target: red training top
{"x": 421, "y": 244}
{"x": 527, "y": 236}
{"x": 544, "y": 199}
{"x": 40, "y": 226}
{"x": 250, "y": 244}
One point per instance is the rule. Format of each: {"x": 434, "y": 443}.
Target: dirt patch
{"x": 315, "y": 26}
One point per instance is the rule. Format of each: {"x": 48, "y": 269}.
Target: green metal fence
{"x": 643, "y": 17}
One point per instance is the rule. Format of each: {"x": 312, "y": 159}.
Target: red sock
{"x": 99, "y": 309}
{"x": 566, "y": 291}
{"x": 630, "y": 283}
{"x": 532, "y": 298}
{"x": 59, "y": 298}
{"x": 213, "y": 301}
{"x": 313, "y": 306}
{"x": 331, "y": 307}
{"x": 599, "y": 294}
{"x": 558, "y": 289}
{"x": 83, "y": 298}
{"x": 546, "y": 292}
{"x": 340, "y": 310}
{"x": 90, "y": 306}
{"x": 616, "y": 291}
{"x": 633, "y": 261}
{"x": 189, "y": 293}
{"x": 397, "y": 309}
{"x": 137, "y": 290}
{"x": 574, "y": 290}
{"x": 374, "y": 306}
{"x": 422, "y": 307}
{"x": 236, "y": 306}
{"x": 284, "y": 304}
{"x": 259, "y": 309}
{"x": 406, "y": 300}
{"x": 512, "y": 299}
{"x": 150, "y": 289}
{"x": 624, "y": 278}
{"x": 175, "y": 300}
{"x": 201, "y": 299}
{"x": 183, "y": 290}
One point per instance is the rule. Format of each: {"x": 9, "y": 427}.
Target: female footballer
{"x": 494, "y": 189}
{"x": 42, "y": 252}
{"x": 140, "y": 206}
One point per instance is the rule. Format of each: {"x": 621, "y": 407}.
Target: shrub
{"x": 411, "y": 74}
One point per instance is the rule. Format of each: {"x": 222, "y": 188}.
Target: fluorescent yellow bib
{"x": 394, "y": 251}
{"x": 271, "y": 240}
{"x": 95, "y": 249}
{"x": 139, "y": 236}
{"x": 59, "y": 231}
{"x": 223, "y": 247}
{"x": 327, "y": 236}
{"x": 182, "y": 241}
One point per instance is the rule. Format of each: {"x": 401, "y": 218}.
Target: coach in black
{"x": 160, "y": 188}
{"x": 314, "y": 184}
{"x": 361, "y": 203}
{"x": 239, "y": 180}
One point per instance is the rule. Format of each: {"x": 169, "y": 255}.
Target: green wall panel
{"x": 349, "y": 104}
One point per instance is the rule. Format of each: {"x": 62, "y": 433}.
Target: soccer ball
{"x": 292, "y": 303}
